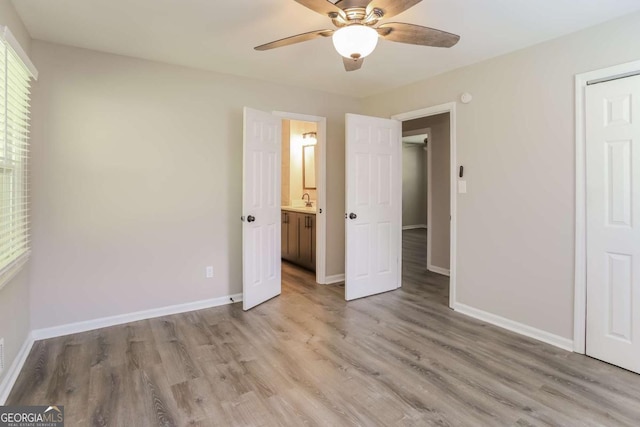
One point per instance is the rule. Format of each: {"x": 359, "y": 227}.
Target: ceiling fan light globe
{"x": 355, "y": 41}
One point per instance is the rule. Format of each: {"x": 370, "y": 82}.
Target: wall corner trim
{"x": 439, "y": 270}
{"x": 513, "y": 326}
{"x": 16, "y": 367}
{"x": 336, "y": 278}
{"x": 413, "y": 227}
{"x": 104, "y": 322}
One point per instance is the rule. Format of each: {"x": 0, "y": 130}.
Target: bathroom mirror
{"x": 309, "y": 167}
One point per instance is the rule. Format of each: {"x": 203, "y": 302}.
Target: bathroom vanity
{"x": 299, "y": 236}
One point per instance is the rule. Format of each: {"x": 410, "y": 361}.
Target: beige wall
{"x": 10, "y": 18}
{"x": 286, "y": 163}
{"x": 414, "y": 189}
{"x": 296, "y": 143}
{"x": 440, "y": 150}
{"x": 14, "y": 316}
{"x": 516, "y": 140}
{"x": 137, "y": 181}
{"x": 292, "y": 143}
{"x": 14, "y": 296}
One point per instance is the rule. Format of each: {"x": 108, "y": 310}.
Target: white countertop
{"x": 301, "y": 209}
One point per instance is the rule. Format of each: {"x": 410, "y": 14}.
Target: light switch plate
{"x": 462, "y": 187}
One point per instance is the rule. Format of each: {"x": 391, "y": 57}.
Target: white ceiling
{"x": 220, "y": 35}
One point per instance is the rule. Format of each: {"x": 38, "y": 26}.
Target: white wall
{"x": 137, "y": 175}
{"x": 516, "y": 141}
{"x": 14, "y": 297}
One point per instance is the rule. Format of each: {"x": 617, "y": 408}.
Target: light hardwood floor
{"x": 310, "y": 358}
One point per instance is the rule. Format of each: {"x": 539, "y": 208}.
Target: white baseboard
{"x": 513, "y": 326}
{"x": 439, "y": 270}
{"x": 336, "y": 278}
{"x": 89, "y": 325}
{"x": 413, "y": 227}
{"x": 14, "y": 370}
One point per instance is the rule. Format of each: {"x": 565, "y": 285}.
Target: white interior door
{"x": 261, "y": 275}
{"x": 373, "y": 204}
{"x": 613, "y": 222}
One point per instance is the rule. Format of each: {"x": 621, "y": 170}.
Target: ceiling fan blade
{"x": 416, "y": 34}
{"x": 295, "y": 39}
{"x": 323, "y": 7}
{"x": 352, "y": 64}
{"x": 391, "y": 7}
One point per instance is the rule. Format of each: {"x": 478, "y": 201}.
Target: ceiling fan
{"x": 357, "y": 34}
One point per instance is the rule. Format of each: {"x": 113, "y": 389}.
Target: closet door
{"x": 613, "y": 222}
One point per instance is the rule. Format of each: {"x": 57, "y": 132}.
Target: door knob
{"x": 353, "y": 216}
{"x": 251, "y": 218}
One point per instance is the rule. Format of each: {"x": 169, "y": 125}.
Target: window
{"x": 16, "y": 72}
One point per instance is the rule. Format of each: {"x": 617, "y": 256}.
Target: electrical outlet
{"x": 1, "y": 355}
{"x": 209, "y": 272}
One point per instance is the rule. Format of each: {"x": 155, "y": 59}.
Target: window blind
{"x": 15, "y": 80}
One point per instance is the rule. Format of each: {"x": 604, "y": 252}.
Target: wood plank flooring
{"x": 310, "y": 358}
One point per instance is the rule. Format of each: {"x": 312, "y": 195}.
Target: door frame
{"x": 430, "y": 204}
{"x": 321, "y": 189}
{"x": 580, "y": 273}
{"x": 450, "y": 108}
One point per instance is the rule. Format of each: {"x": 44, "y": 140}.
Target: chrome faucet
{"x": 308, "y": 202}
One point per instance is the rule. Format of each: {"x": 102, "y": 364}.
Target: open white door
{"x": 613, "y": 221}
{"x": 261, "y": 275}
{"x": 373, "y": 204}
